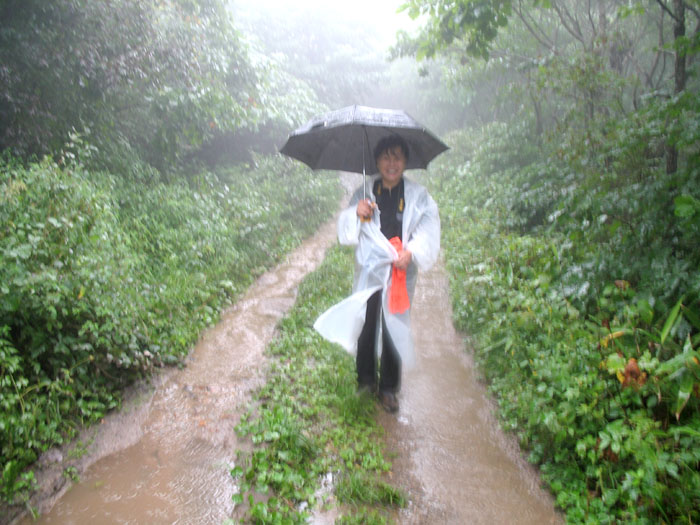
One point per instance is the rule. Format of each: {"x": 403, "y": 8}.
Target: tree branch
{"x": 536, "y": 31}
{"x": 590, "y": 19}
{"x": 665, "y": 8}
{"x": 574, "y": 19}
{"x": 693, "y": 9}
{"x": 657, "y": 59}
{"x": 572, "y": 30}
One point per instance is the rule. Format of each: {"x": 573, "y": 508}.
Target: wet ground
{"x": 457, "y": 464}
{"x": 166, "y": 457}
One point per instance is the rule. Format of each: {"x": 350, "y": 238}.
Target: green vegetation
{"x": 137, "y": 200}
{"x": 102, "y": 280}
{"x": 585, "y": 326}
{"x": 571, "y": 230}
{"x": 308, "y": 421}
{"x": 133, "y": 204}
{"x": 161, "y": 79}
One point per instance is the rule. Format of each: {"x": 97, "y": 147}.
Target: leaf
{"x": 672, "y": 366}
{"x": 686, "y": 387}
{"x": 648, "y": 363}
{"x": 670, "y": 320}
{"x": 645, "y": 311}
{"x": 691, "y": 316}
{"x": 686, "y": 206}
{"x": 615, "y": 364}
{"x": 614, "y": 335}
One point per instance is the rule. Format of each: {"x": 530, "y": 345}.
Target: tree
{"x": 474, "y": 21}
{"x": 677, "y": 12}
{"x": 567, "y": 58}
{"x": 159, "y": 77}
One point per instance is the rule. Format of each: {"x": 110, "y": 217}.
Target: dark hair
{"x": 390, "y": 142}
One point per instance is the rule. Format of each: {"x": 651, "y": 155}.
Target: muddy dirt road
{"x": 457, "y": 464}
{"x": 166, "y": 457}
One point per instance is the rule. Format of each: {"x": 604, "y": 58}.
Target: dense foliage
{"x": 570, "y": 203}
{"x": 118, "y": 247}
{"x": 572, "y": 221}
{"x": 161, "y": 78}
{"x": 562, "y": 63}
{"x": 103, "y": 279}
{"x": 308, "y": 422}
{"x": 580, "y": 282}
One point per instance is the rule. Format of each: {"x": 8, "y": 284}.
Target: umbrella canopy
{"x": 344, "y": 139}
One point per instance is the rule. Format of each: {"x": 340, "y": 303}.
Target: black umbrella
{"x": 344, "y": 139}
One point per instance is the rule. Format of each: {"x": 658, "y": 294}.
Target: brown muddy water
{"x": 165, "y": 457}
{"x": 458, "y": 466}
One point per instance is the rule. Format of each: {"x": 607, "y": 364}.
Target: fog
{"x": 340, "y": 50}
{"x": 381, "y": 17}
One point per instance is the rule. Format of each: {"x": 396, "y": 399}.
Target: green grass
{"x": 308, "y": 420}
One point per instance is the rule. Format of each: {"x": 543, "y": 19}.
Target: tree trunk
{"x": 679, "y": 75}
{"x": 678, "y": 33}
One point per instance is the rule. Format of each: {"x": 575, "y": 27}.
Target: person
{"x": 396, "y": 207}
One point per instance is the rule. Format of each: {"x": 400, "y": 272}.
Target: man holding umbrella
{"x": 393, "y": 224}
{"x": 405, "y": 211}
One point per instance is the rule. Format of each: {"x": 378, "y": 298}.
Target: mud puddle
{"x": 456, "y": 463}
{"x": 167, "y": 457}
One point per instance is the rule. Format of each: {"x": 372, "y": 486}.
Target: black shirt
{"x": 391, "y": 205}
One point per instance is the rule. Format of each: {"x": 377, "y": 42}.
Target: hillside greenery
{"x": 133, "y": 206}
{"x": 571, "y": 213}
{"x": 585, "y": 315}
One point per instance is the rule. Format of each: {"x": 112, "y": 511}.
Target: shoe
{"x": 388, "y": 401}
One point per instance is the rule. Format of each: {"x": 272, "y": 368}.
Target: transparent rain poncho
{"x": 374, "y": 257}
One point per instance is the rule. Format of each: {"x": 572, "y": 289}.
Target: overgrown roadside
{"x": 579, "y": 284}
{"x": 119, "y": 279}
{"x": 308, "y": 422}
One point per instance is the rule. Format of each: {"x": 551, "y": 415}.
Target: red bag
{"x": 398, "y": 294}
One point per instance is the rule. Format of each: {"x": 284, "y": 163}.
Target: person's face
{"x": 391, "y": 164}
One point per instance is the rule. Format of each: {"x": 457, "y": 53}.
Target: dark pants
{"x": 390, "y": 362}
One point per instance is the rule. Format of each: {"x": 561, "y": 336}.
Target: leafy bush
{"x": 101, "y": 280}
{"x": 580, "y": 282}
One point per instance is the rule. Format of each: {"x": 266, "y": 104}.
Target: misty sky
{"x": 380, "y": 14}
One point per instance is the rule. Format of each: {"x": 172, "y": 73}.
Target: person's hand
{"x": 405, "y": 258}
{"x": 365, "y": 208}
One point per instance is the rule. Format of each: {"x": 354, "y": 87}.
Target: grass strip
{"x": 308, "y": 422}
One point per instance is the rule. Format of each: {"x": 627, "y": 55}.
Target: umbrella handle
{"x": 373, "y": 206}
